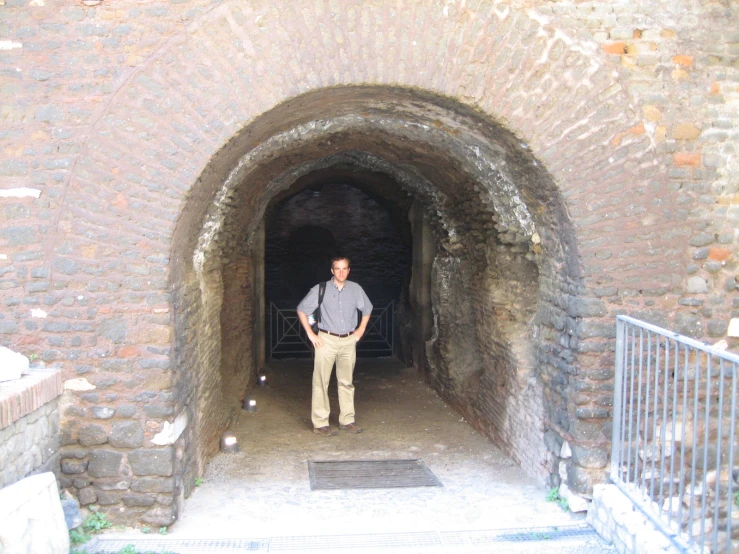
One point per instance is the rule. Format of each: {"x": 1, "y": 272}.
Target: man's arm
{"x": 359, "y": 331}
{"x": 312, "y": 337}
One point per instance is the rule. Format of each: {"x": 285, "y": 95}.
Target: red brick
{"x": 615, "y": 48}
{"x": 719, "y": 254}
{"x": 689, "y": 159}
{"x": 128, "y": 352}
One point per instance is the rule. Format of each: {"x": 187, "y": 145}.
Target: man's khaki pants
{"x": 342, "y": 352}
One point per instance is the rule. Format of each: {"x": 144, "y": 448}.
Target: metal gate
{"x": 287, "y": 338}
{"x": 675, "y": 434}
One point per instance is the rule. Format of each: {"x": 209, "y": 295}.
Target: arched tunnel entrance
{"x": 488, "y": 240}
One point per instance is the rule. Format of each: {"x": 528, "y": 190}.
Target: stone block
{"x": 591, "y": 458}
{"x": 71, "y": 466}
{"x": 108, "y": 498}
{"x": 688, "y": 324}
{"x": 128, "y": 434}
{"x": 153, "y": 410}
{"x": 87, "y": 496}
{"x": 113, "y": 330}
{"x": 717, "y": 327}
{"x": 153, "y": 484}
{"x": 91, "y": 435}
{"x": 592, "y": 413}
{"x": 586, "y": 307}
{"x": 102, "y": 412}
{"x": 104, "y": 463}
{"x": 578, "y": 479}
{"x": 138, "y": 500}
{"x": 31, "y": 517}
{"x": 152, "y": 462}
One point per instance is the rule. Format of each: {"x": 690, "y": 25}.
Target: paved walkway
{"x": 261, "y": 498}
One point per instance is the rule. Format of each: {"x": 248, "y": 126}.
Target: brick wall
{"x": 142, "y": 143}
{"x": 29, "y": 425}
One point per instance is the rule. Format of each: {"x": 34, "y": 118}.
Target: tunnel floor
{"x": 265, "y": 488}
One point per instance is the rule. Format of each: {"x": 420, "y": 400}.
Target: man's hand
{"x": 359, "y": 331}
{"x": 312, "y": 337}
{"x": 315, "y": 339}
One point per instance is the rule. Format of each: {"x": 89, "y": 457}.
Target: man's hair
{"x": 338, "y": 259}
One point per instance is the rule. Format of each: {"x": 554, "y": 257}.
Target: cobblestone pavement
{"x": 263, "y": 492}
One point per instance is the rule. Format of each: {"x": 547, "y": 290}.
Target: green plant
{"x": 145, "y": 529}
{"x": 32, "y": 357}
{"x": 128, "y": 549}
{"x": 78, "y": 537}
{"x": 736, "y": 498}
{"x": 162, "y": 530}
{"x": 96, "y": 522}
{"x": 553, "y": 496}
{"x": 198, "y": 481}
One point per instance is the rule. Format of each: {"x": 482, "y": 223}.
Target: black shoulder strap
{"x": 321, "y": 293}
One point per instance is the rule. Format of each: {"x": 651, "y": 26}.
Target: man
{"x": 335, "y": 343}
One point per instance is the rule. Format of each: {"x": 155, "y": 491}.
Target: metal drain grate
{"x": 569, "y": 539}
{"x": 352, "y": 543}
{"x": 370, "y": 474}
{"x": 519, "y": 535}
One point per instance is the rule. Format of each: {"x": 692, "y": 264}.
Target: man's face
{"x": 340, "y": 271}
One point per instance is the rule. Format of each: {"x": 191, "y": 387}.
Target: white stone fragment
{"x": 721, "y": 345}
{"x": 535, "y": 238}
{"x": 733, "y": 327}
{"x": 565, "y": 452}
{"x": 41, "y": 314}
{"x": 180, "y": 424}
{"x": 12, "y": 364}
{"x": 78, "y": 384}
{"x": 9, "y": 45}
{"x": 19, "y": 192}
{"x": 165, "y": 436}
{"x": 576, "y": 503}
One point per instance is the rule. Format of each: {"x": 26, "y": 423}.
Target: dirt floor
{"x": 264, "y": 490}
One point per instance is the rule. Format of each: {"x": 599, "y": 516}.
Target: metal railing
{"x": 287, "y": 338}
{"x": 675, "y": 441}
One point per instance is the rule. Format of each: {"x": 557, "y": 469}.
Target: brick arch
{"x": 156, "y": 156}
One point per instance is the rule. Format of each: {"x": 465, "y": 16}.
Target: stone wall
{"x": 574, "y": 160}
{"x": 616, "y": 519}
{"x": 29, "y": 425}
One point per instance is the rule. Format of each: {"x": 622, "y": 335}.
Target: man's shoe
{"x": 325, "y": 431}
{"x": 351, "y": 427}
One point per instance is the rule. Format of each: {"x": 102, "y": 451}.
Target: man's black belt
{"x": 335, "y": 334}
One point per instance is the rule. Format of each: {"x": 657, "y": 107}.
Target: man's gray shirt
{"x": 339, "y": 307}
